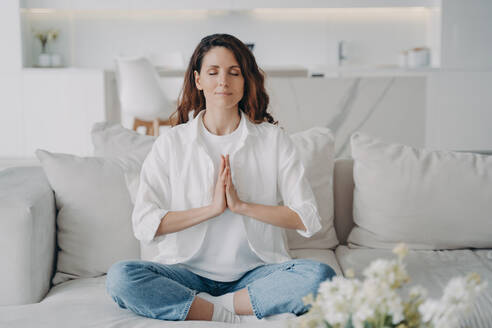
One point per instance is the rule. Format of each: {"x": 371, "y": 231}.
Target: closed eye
{"x": 234, "y": 74}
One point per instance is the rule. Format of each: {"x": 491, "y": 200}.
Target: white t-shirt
{"x": 225, "y": 254}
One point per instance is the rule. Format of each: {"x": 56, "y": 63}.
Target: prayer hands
{"x": 219, "y": 203}
{"x": 225, "y": 195}
{"x": 232, "y": 199}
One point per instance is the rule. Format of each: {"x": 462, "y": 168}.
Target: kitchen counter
{"x": 271, "y": 71}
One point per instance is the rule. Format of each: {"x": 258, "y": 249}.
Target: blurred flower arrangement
{"x": 45, "y": 37}
{"x": 375, "y": 302}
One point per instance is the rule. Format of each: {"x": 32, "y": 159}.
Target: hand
{"x": 233, "y": 201}
{"x": 219, "y": 200}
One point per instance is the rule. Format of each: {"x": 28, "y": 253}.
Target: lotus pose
{"x": 209, "y": 203}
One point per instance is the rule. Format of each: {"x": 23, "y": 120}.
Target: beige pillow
{"x": 94, "y": 228}
{"x": 315, "y": 146}
{"x": 427, "y": 199}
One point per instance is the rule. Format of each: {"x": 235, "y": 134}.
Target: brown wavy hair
{"x": 255, "y": 100}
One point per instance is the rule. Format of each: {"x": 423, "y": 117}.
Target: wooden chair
{"x": 140, "y": 94}
{"x": 151, "y": 127}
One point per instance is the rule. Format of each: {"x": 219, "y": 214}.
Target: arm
{"x": 153, "y": 198}
{"x": 151, "y": 216}
{"x": 175, "y": 221}
{"x": 294, "y": 187}
{"x": 280, "y": 216}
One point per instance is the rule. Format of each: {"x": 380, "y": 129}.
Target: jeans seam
{"x": 256, "y": 311}
{"x": 187, "y": 307}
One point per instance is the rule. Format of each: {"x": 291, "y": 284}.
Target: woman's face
{"x": 220, "y": 78}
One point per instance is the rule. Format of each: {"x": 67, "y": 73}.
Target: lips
{"x": 223, "y": 93}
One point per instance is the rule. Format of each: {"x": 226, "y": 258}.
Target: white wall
{"x": 10, "y": 79}
{"x": 459, "y": 98}
{"x": 282, "y": 36}
{"x": 467, "y": 34}
{"x": 460, "y": 111}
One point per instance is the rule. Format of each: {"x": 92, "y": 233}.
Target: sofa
{"x": 55, "y": 255}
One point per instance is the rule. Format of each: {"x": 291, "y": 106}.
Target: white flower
{"x": 392, "y": 272}
{"x": 418, "y": 292}
{"x": 459, "y": 295}
{"x": 336, "y": 299}
{"x": 401, "y": 250}
{"x": 376, "y": 297}
{"x": 349, "y": 273}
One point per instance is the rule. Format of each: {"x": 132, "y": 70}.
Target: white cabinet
{"x": 59, "y": 108}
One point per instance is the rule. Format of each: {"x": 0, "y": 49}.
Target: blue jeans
{"x": 166, "y": 292}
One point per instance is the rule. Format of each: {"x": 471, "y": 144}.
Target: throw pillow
{"x": 94, "y": 213}
{"x": 316, "y": 149}
{"x": 428, "y": 199}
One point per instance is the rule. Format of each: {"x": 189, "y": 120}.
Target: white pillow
{"x": 94, "y": 228}
{"x": 427, "y": 199}
{"x": 315, "y": 146}
{"x": 113, "y": 140}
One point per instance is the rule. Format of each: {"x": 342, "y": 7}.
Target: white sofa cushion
{"x": 427, "y": 199}
{"x": 94, "y": 213}
{"x": 315, "y": 146}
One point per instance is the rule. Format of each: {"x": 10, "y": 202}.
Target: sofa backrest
{"x": 343, "y": 191}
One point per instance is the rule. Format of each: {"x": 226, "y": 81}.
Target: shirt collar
{"x": 248, "y": 128}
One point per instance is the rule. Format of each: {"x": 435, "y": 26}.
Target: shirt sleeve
{"x": 153, "y": 197}
{"x": 294, "y": 187}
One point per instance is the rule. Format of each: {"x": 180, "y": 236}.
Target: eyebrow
{"x": 217, "y": 66}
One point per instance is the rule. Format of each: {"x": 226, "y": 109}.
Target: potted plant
{"x": 45, "y": 36}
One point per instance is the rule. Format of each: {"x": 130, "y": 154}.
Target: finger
{"x": 229, "y": 178}
{"x": 223, "y": 175}
{"x": 222, "y": 163}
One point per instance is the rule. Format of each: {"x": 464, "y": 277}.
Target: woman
{"x": 209, "y": 200}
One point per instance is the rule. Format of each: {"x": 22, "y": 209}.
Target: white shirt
{"x": 225, "y": 254}
{"x": 178, "y": 174}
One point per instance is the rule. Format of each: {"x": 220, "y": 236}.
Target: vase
{"x": 44, "y": 60}
{"x": 56, "y": 60}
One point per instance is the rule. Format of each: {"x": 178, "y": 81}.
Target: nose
{"x": 222, "y": 79}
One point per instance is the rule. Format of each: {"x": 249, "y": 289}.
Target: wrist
{"x": 240, "y": 208}
{"x": 212, "y": 211}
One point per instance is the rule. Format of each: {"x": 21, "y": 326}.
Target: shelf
{"x": 218, "y": 4}
{"x": 271, "y": 71}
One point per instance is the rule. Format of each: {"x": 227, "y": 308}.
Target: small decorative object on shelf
{"x": 45, "y": 59}
{"x": 376, "y": 303}
{"x": 414, "y": 58}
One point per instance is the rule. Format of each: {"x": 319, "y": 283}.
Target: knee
{"x": 326, "y": 272}
{"x": 118, "y": 277}
{"x": 318, "y": 271}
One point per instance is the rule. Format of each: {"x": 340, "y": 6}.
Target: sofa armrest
{"x": 27, "y": 235}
